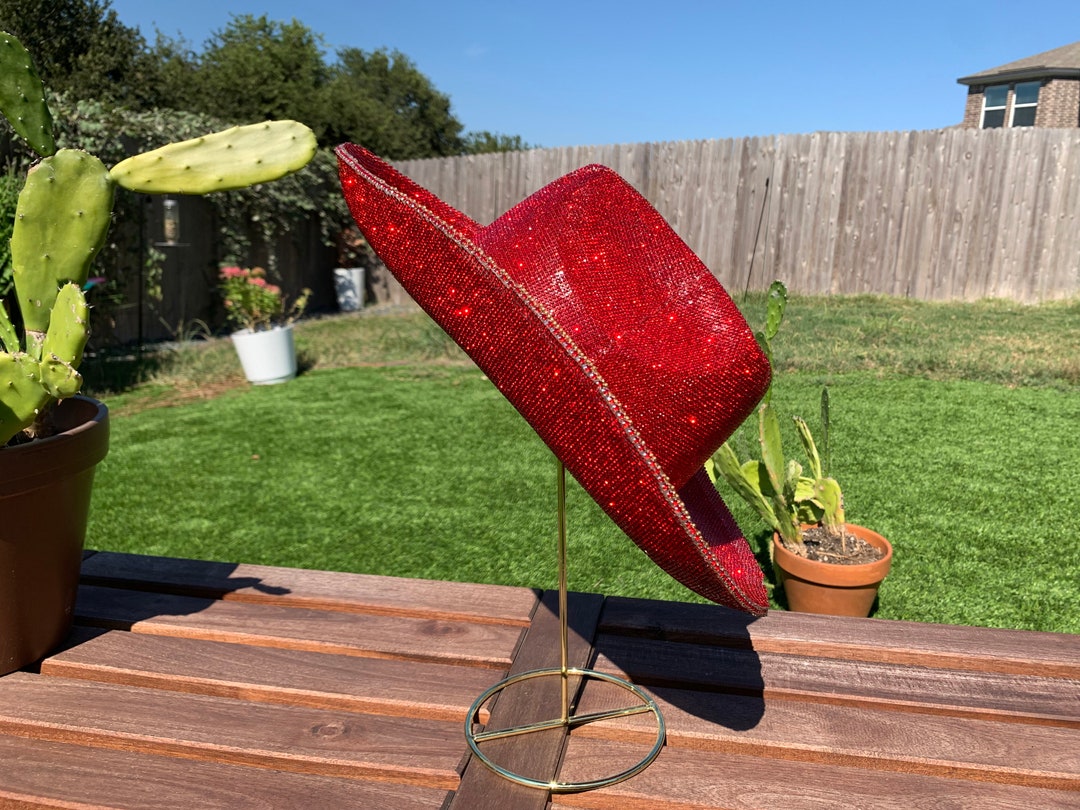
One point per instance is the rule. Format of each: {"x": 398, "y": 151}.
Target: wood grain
{"x": 237, "y": 732}
{"x": 271, "y": 625}
{"x": 1019, "y": 698}
{"x": 272, "y": 675}
{"x": 961, "y": 748}
{"x": 323, "y": 590}
{"x": 980, "y": 649}
{"x": 685, "y": 779}
{"x": 535, "y": 756}
{"x": 941, "y": 214}
{"x": 226, "y": 686}
{"x": 41, "y": 774}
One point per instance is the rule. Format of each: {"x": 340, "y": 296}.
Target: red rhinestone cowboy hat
{"x": 609, "y": 336}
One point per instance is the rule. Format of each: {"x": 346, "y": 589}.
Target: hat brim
{"x": 625, "y": 426}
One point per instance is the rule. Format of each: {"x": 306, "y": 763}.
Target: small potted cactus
{"x": 51, "y": 438}
{"x": 824, "y": 563}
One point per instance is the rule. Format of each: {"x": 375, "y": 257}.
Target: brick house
{"x": 1038, "y": 91}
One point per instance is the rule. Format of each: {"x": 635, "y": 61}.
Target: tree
{"x": 383, "y": 102}
{"x": 251, "y": 70}
{"x": 256, "y": 68}
{"x": 172, "y": 83}
{"x": 483, "y": 142}
{"x": 81, "y": 48}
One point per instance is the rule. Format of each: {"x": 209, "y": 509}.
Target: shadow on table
{"x": 695, "y": 658}
{"x": 119, "y": 591}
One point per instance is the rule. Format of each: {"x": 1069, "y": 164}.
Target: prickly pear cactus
{"x": 22, "y": 96}
{"x": 231, "y": 159}
{"x": 21, "y": 394}
{"x": 62, "y": 349}
{"x": 62, "y": 220}
{"x": 28, "y": 384}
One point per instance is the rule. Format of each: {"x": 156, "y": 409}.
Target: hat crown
{"x": 642, "y": 310}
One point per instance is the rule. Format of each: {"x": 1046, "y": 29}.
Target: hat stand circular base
{"x": 567, "y": 720}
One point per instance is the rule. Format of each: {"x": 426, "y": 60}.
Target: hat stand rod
{"x": 567, "y": 719}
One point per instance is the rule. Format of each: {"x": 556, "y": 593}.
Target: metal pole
{"x": 564, "y": 634}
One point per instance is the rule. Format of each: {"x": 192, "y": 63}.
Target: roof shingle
{"x": 1063, "y": 61}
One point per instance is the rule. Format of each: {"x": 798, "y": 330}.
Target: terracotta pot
{"x": 836, "y": 590}
{"x": 45, "y": 501}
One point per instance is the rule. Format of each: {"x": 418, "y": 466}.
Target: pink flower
{"x": 252, "y": 302}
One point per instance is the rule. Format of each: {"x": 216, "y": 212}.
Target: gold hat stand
{"x": 567, "y": 719}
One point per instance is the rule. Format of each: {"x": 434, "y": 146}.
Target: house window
{"x": 994, "y": 102}
{"x": 1025, "y": 101}
{"x": 997, "y": 112}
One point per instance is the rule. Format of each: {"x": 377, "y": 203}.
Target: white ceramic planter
{"x": 349, "y": 285}
{"x": 268, "y": 357}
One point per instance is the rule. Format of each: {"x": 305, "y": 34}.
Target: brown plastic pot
{"x": 836, "y": 590}
{"x": 45, "y": 502}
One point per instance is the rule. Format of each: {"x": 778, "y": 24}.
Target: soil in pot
{"x": 846, "y": 549}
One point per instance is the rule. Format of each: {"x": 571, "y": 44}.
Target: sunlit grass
{"x": 392, "y": 454}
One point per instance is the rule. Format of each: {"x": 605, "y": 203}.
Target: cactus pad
{"x": 231, "y": 159}
{"x": 59, "y": 379}
{"x": 22, "y": 96}
{"x": 60, "y": 225}
{"x": 21, "y": 394}
{"x": 69, "y": 328}
{"x": 9, "y": 336}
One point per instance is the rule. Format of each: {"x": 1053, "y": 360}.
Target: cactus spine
{"x": 62, "y": 220}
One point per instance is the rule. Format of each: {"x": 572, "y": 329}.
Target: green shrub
{"x": 9, "y": 197}
{"x": 248, "y": 221}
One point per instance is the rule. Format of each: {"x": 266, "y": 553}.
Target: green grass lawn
{"x": 393, "y": 455}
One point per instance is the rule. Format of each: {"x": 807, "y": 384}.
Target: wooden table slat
{"x": 406, "y": 637}
{"x": 271, "y": 675}
{"x": 983, "y": 649}
{"x": 323, "y": 590}
{"x": 843, "y": 735}
{"x": 200, "y": 727}
{"x": 681, "y": 779}
{"x": 1022, "y": 698}
{"x": 43, "y": 774}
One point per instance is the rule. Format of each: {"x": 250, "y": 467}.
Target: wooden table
{"x": 190, "y": 684}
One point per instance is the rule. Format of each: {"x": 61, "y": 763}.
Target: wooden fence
{"x": 940, "y": 214}
{"x": 188, "y": 299}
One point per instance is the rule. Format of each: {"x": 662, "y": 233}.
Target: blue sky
{"x": 562, "y": 73}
